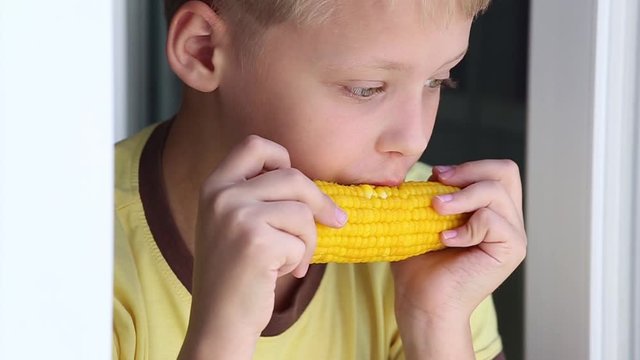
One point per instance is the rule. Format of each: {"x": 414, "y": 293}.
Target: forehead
{"x": 400, "y": 18}
{"x": 393, "y": 33}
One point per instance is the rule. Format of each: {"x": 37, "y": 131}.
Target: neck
{"x": 194, "y": 147}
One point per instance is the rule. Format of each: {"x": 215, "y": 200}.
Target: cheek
{"x": 430, "y": 111}
{"x": 308, "y": 115}
{"x": 324, "y": 137}
{"x": 432, "y": 104}
{"x": 327, "y": 144}
{"x": 327, "y": 136}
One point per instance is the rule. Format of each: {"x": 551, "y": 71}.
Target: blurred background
{"x": 555, "y": 86}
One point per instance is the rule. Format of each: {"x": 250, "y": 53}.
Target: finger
{"x": 279, "y": 251}
{"x": 484, "y": 194}
{"x": 250, "y": 158}
{"x": 492, "y": 233}
{"x": 505, "y": 171}
{"x": 291, "y": 185}
{"x": 295, "y": 219}
{"x": 294, "y": 260}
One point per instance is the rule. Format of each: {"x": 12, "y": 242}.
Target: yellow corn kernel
{"x": 385, "y": 223}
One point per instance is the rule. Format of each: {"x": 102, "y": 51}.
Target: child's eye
{"x": 364, "y": 92}
{"x": 441, "y": 83}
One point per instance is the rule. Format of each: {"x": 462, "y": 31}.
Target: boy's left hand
{"x": 449, "y": 284}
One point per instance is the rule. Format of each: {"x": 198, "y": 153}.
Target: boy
{"x": 216, "y": 210}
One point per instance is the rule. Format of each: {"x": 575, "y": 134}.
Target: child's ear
{"x": 197, "y": 45}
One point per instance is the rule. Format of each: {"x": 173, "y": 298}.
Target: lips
{"x": 378, "y": 178}
{"x": 388, "y": 182}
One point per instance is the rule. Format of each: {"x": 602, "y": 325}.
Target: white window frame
{"x": 583, "y": 170}
{"x": 57, "y": 103}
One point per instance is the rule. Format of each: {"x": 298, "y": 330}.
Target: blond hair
{"x": 249, "y": 18}
{"x": 264, "y": 13}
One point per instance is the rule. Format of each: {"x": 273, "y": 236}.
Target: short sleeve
{"x": 124, "y": 342}
{"x": 396, "y": 351}
{"x": 418, "y": 172}
{"x": 487, "y": 343}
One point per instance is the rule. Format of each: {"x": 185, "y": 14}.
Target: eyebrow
{"x": 395, "y": 66}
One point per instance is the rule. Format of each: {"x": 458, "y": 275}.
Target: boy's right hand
{"x": 256, "y": 222}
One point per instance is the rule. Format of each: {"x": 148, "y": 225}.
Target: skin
{"x": 246, "y": 143}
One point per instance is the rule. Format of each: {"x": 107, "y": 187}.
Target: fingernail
{"x": 445, "y": 198}
{"x": 341, "y": 216}
{"x": 443, "y": 168}
{"x": 449, "y": 234}
{"x": 306, "y": 270}
{"x": 444, "y": 172}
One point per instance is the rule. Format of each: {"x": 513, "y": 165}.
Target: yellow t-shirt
{"x": 349, "y": 317}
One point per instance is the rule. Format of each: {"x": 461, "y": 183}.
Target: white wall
{"x": 583, "y": 165}
{"x": 56, "y": 169}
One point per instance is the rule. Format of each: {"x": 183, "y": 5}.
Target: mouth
{"x": 376, "y": 178}
{"x": 387, "y": 182}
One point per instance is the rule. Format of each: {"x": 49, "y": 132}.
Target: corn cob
{"x": 385, "y": 223}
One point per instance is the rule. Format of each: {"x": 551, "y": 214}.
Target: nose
{"x": 410, "y": 124}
